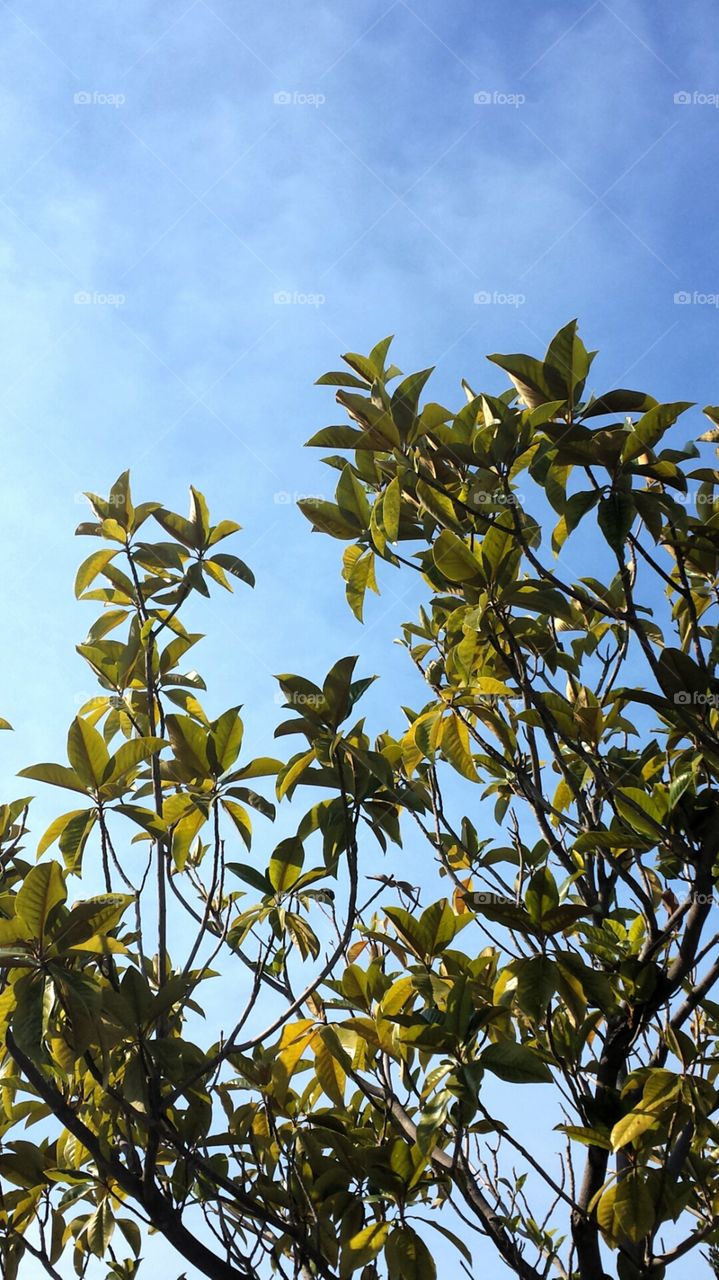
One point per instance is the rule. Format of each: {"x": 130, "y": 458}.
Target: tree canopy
{"x": 355, "y": 1107}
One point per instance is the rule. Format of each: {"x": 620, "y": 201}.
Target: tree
{"x": 572, "y": 953}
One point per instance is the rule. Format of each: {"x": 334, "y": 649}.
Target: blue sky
{"x": 185, "y": 167}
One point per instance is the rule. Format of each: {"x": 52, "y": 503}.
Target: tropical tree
{"x": 367, "y": 1039}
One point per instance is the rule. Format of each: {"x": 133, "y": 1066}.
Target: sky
{"x": 203, "y": 205}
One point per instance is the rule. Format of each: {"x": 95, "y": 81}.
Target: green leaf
{"x": 286, "y": 864}
{"x": 542, "y": 895}
{"x": 358, "y": 572}
{"x": 391, "y": 506}
{"x": 189, "y": 744}
{"x": 225, "y": 739}
{"x": 363, "y": 1247}
{"x": 408, "y": 1257}
{"x": 131, "y": 754}
{"x": 95, "y": 915}
{"x": 454, "y": 742}
{"x": 515, "y": 1062}
{"x": 235, "y": 566}
{"x": 100, "y": 1228}
{"x": 240, "y": 818}
{"x": 223, "y": 530}
{"x": 41, "y": 890}
{"x": 326, "y": 517}
{"x": 330, "y": 1074}
{"x": 531, "y": 378}
{"x": 145, "y": 818}
{"x": 651, "y": 427}
{"x": 352, "y": 499}
{"x": 640, "y": 811}
{"x": 33, "y": 995}
{"x": 405, "y": 399}
{"x": 56, "y": 829}
{"x": 660, "y": 1091}
{"x": 87, "y": 752}
{"x": 90, "y": 568}
{"x": 56, "y": 774}
{"x": 620, "y": 401}
{"x": 454, "y": 559}
{"x": 289, "y": 776}
{"x": 615, "y": 517}
{"x": 626, "y": 1210}
{"x": 177, "y": 527}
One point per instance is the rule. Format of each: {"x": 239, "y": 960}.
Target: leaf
{"x": 87, "y": 752}
{"x": 620, "y": 401}
{"x": 225, "y": 739}
{"x": 330, "y": 1074}
{"x": 177, "y": 527}
{"x": 286, "y": 864}
{"x": 454, "y": 559}
{"x": 33, "y": 994}
{"x": 56, "y": 774}
{"x": 391, "y": 506}
{"x": 515, "y": 1062}
{"x": 41, "y": 890}
{"x": 405, "y": 399}
{"x": 542, "y": 895}
{"x": 660, "y": 1090}
{"x": 223, "y": 530}
{"x": 327, "y": 518}
{"x": 531, "y": 378}
{"x": 640, "y": 811}
{"x": 358, "y": 572}
{"x": 100, "y": 1228}
{"x": 240, "y": 818}
{"x": 408, "y": 1257}
{"x": 576, "y": 507}
{"x": 588, "y": 1137}
{"x": 454, "y": 742}
{"x": 188, "y": 742}
{"x": 235, "y": 566}
{"x": 626, "y": 1210}
{"x": 75, "y": 837}
{"x": 651, "y": 427}
{"x": 437, "y": 926}
{"x": 90, "y": 568}
{"x": 352, "y": 499}
{"x": 145, "y": 818}
{"x": 95, "y": 915}
{"x": 363, "y": 1247}
{"x": 288, "y": 777}
{"x": 129, "y": 755}
{"x": 633, "y": 1207}
{"x": 56, "y": 829}
{"x": 615, "y": 516}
